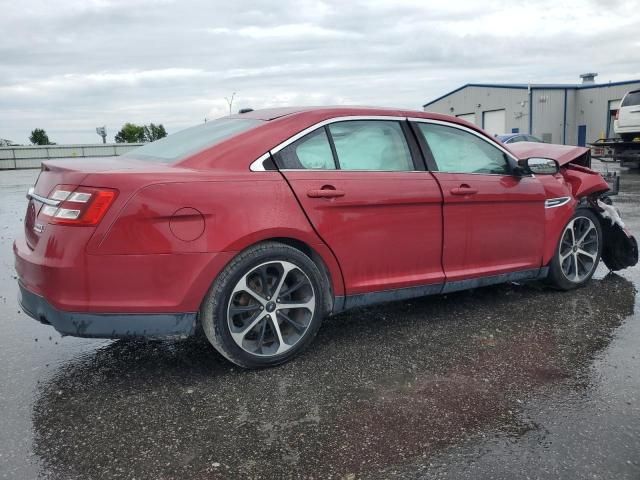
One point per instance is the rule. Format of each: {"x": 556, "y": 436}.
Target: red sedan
{"x": 255, "y": 227}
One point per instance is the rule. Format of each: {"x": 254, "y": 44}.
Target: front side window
{"x": 371, "y": 145}
{"x": 458, "y": 151}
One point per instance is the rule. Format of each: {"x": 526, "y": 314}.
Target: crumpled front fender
{"x": 583, "y": 180}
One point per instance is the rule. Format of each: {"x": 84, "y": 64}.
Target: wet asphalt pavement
{"x": 512, "y": 381}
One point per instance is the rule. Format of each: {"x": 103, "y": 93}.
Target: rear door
{"x": 367, "y": 196}
{"x": 493, "y": 220}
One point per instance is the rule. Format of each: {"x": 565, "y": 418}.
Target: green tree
{"x": 154, "y": 132}
{"x": 130, "y": 133}
{"x": 39, "y": 137}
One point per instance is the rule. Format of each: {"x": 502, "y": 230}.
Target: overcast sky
{"x": 70, "y": 65}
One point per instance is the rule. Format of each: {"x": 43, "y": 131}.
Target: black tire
{"x": 561, "y": 274}
{"x": 628, "y": 137}
{"x": 217, "y": 319}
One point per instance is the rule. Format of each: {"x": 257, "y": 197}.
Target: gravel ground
{"x": 512, "y": 381}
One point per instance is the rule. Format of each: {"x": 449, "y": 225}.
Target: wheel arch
{"x": 319, "y": 254}
{"x": 330, "y": 295}
{"x": 555, "y": 221}
{"x": 557, "y": 276}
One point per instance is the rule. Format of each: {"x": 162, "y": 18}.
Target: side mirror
{"x": 540, "y": 166}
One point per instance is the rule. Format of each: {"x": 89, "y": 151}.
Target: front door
{"x": 493, "y": 220}
{"x": 367, "y": 199}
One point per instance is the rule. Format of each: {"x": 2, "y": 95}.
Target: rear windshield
{"x": 632, "y": 98}
{"x": 186, "y": 142}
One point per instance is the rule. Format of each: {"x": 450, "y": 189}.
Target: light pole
{"x": 230, "y": 101}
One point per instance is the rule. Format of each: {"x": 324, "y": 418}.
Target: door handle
{"x": 327, "y": 191}
{"x": 463, "y": 189}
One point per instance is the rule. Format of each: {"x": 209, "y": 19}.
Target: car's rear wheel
{"x": 265, "y": 307}
{"x": 578, "y": 251}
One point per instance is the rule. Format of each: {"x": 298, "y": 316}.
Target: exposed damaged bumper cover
{"x": 107, "y": 325}
{"x": 620, "y": 248}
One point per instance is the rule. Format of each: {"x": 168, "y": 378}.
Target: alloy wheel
{"x": 579, "y": 249}
{"x": 270, "y": 308}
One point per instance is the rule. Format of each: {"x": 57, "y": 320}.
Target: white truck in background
{"x": 626, "y": 147}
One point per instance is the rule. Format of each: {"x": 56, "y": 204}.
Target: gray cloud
{"x": 68, "y": 66}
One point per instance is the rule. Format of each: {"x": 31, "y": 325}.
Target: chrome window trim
{"x": 468, "y": 130}
{"x": 257, "y": 165}
{"x": 556, "y": 202}
{"x": 316, "y": 170}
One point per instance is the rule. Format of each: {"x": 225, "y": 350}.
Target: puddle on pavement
{"x": 380, "y": 387}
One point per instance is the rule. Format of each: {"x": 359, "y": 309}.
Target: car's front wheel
{"x": 578, "y": 251}
{"x": 265, "y": 307}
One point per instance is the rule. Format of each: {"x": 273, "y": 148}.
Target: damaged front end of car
{"x": 590, "y": 190}
{"x": 620, "y": 248}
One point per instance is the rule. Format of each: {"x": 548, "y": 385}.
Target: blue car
{"x": 518, "y": 137}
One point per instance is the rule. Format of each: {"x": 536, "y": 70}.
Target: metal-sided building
{"x": 571, "y": 114}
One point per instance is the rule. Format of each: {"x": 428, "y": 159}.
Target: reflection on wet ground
{"x": 381, "y": 386}
{"x": 505, "y": 382}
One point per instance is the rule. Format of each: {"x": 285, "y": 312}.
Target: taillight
{"x": 78, "y": 205}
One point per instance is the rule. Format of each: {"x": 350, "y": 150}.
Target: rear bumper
{"x": 107, "y": 325}
{"x": 630, "y": 129}
{"x": 73, "y": 281}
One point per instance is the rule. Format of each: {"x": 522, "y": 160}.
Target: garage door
{"x": 469, "y": 117}
{"x": 494, "y": 121}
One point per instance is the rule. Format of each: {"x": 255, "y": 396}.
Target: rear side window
{"x": 312, "y": 151}
{"x": 357, "y": 145}
{"x": 192, "y": 140}
{"x": 457, "y": 151}
{"x": 631, "y": 99}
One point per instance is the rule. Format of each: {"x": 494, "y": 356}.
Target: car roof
{"x": 269, "y": 114}
{"x": 280, "y": 124}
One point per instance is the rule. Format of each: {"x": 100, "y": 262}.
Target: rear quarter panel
{"x": 221, "y": 213}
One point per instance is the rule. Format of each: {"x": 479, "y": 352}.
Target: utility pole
{"x": 230, "y": 102}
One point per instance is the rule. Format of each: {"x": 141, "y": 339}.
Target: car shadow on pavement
{"x": 379, "y": 387}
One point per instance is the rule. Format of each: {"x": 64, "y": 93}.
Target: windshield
{"x": 189, "y": 141}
